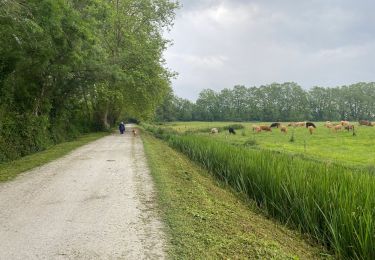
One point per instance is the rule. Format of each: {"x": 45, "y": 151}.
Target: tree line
{"x": 73, "y": 66}
{"x": 274, "y": 102}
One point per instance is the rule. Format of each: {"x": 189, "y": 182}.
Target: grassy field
{"x": 10, "y": 170}
{"x": 206, "y": 220}
{"x": 332, "y": 202}
{"x": 324, "y": 144}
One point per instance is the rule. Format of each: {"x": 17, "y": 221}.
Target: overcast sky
{"x": 222, "y": 43}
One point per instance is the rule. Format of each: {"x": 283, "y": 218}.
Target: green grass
{"x": 10, "y": 170}
{"x": 206, "y": 220}
{"x": 324, "y": 144}
{"x": 334, "y": 204}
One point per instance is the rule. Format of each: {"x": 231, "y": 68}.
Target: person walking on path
{"x": 121, "y": 127}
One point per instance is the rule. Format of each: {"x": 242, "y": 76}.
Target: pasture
{"x": 324, "y": 144}
{"x": 331, "y": 202}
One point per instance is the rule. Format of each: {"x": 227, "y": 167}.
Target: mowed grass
{"x": 324, "y": 144}
{"x": 10, "y": 170}
{"x": 207, "y": 220}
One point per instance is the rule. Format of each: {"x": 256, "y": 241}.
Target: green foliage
{"x": 279, "y": 102}
{"x": 68, "y": 67}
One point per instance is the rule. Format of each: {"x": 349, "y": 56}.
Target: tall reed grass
{"x": 334, "y": 204}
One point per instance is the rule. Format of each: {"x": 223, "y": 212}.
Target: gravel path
{"x": 95, "y": 203}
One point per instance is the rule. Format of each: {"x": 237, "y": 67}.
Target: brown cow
{"x": 337, "y": 128}
{"x": 301, "y": 124}
{"x": 311, "y": 129}
{"x": 345, "y": 123}
{"x": 329, "y": 125}
{"x": 349, "y": 127}
{"x": 214, "y": 131}
{"x": 265, "y": 128}
{"x": 365, "y": 122}
{"x": 284, "y": 129}
{"x": 257, "y": 129}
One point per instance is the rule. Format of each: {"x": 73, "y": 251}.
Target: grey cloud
{"x": 219, "y": 44}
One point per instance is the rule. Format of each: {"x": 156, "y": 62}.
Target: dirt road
{"x": 96, "y": 203}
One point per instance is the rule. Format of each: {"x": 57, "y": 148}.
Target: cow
{"x": 257, "y": 129}
{"x": 231, "y": 130}
{"x": 214, "y": 131}
{"x": 300, "y": 123}
{"x": 265, "y": 128}
{"x": 337, "y": 128}
{"x": 311, "y": 129}
{"x": 328, "y": 124}
{"x": 284, "y": 129}
{"x": 345, "y": 123}
{"x": 349, "y": 127}
{"x": 365, "y": 122}
{"x": 308, "y": 124}
{"x": 277, "y": 125}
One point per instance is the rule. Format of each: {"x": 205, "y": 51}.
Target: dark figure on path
{"x": 121, "y": 127}
{"x": 310, "y": 124}
{"x": 231, "y": 130}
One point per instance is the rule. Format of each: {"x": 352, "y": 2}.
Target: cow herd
{"x": 310, "y": 126}
{"x": 283, "y": 128}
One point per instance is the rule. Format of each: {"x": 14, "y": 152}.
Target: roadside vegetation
{"x": 206, "y": 219}
{"x": 70, "y": 67}
{"x": 333, "y": 203}
{"x": 10, "y": 170}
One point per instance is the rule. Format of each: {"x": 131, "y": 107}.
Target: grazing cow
{"x": 300, "y": 123}
{"x": 365, "y": 122}
{"x": 284, "y": 129}
{"x": 345, "y": 123}
{"x": 231, "y": 130}
{"x": 265, "y": 128}
{"x": 277, "y": 125}
{"x": 257, "y": 129}
{"x": 214, "y": 131}
{"x": 308, "y": 124}
{"x": 311, "y": 129}
{"x": 337, "y": 128}
{"x": 349, "y": 127}
{"x": 292, "y": 124}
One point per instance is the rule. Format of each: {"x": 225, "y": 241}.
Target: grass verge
{"x": 207, "y": 220}
{"x": 10, "y": 170}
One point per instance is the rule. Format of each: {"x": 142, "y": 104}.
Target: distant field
{"x": 324, "y": 144}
